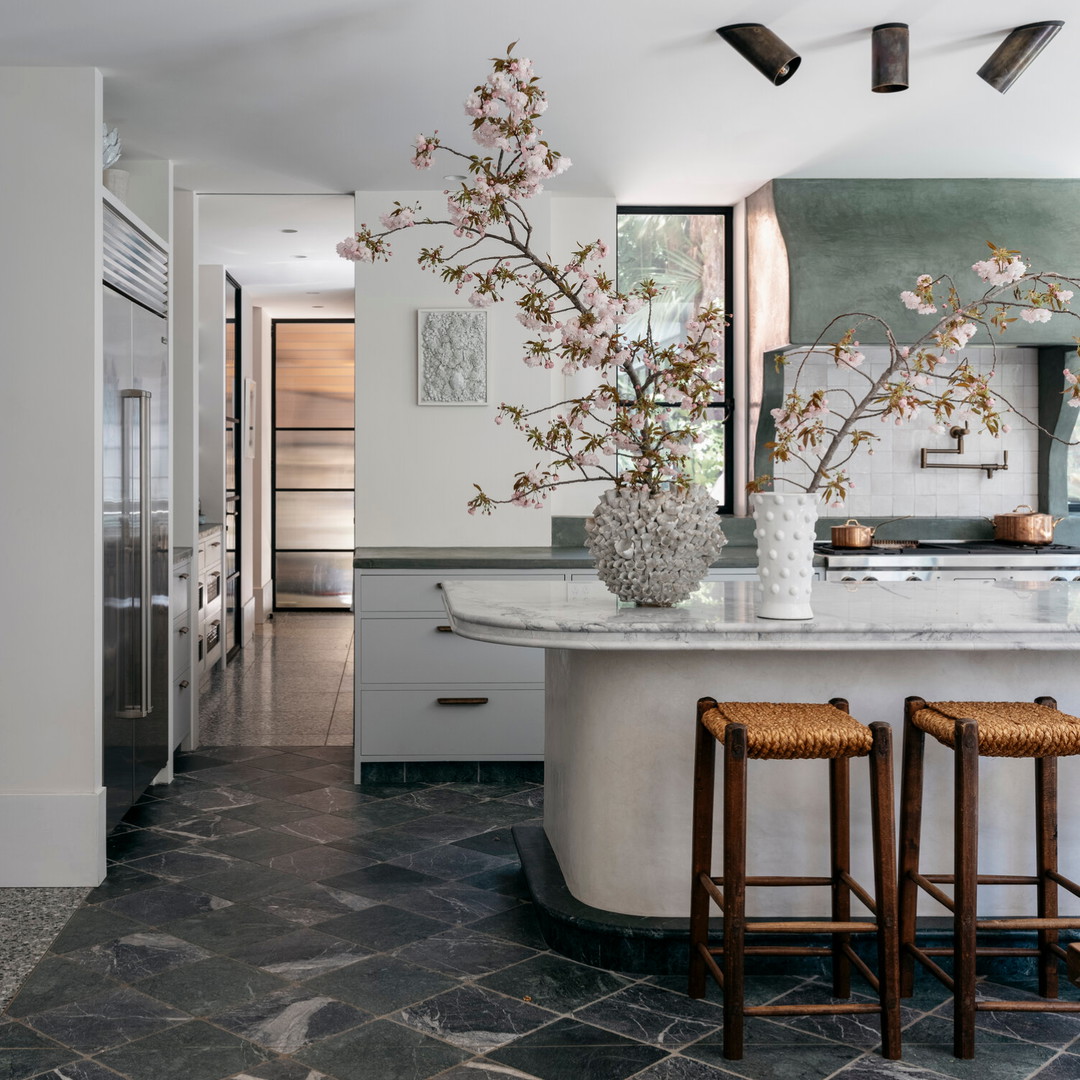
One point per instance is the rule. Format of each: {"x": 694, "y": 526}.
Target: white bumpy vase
{"x": 654, "y": 550}
{"x": 784, "y": 528}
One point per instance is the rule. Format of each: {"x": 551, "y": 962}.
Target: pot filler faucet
{"x": 958, "y": 434}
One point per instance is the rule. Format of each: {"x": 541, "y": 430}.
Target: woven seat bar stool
{"x": 991, "y": 729}
{"x": 788, "y": 731}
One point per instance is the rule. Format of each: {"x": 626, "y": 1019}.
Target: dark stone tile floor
{"x": 255, "y": 928}
{"x": 264, "y": 918}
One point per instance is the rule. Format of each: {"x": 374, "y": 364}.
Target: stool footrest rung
{"x": 862, "y": 967}
{"x": 1041, "y": 1005}
{"x": 985, "y": 950}
{"x": 987, "y": 879}
{"x": 864, "y": 897}
{"x": 1064, "y": 882}
{"x": 813, "y": 926}
{"x": 939, "y": 973}
{"x": 709, "y": 884}
{"x": 777, "y": 950}
{"x": 707, "y": 955}
{"x": 809, "y": 1010}
{"x": 928, "y": 886}
{"x": 780, "y": 882}
{"x": 1028, "y": 924}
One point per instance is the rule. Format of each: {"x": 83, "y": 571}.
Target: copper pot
{"x": 1028, "y": 527}
{"x": 853, "y": 535}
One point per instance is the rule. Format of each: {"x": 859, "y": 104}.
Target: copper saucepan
{"x": 853, "y": 535}
{"x": 1024, "y": 528}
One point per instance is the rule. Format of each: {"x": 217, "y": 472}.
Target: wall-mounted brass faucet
{"x": 958, "y": 434}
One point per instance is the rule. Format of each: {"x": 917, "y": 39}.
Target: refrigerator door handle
{"x": 140, "y": 687}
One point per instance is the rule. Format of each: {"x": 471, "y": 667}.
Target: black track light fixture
{"x": 889, "y": 58}
{"x": 1012, "y": 57}
{"x": 771, "y": 56}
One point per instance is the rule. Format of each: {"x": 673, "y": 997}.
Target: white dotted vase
{"x": 784, "y": 528}
{"x": 654, "y": 550}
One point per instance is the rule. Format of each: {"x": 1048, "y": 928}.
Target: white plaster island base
{"x": 623, "y": 682}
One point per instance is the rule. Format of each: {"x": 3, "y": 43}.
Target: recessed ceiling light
{"x": 455, "y": 176}
{"x": 299, "y": 256}
{"x": 318, "y": 305}
{"x": 289, "y": 230}
{"x": 315, "y": 293}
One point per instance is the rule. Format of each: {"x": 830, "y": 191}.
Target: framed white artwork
{"x": 451, "y": 354}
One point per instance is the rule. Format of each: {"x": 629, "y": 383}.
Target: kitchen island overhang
{"x": 622, "y": 683}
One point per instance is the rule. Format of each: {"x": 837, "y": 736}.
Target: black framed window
{"x": 687, "y": 251}
{"x": 313, "y": 455}
{"x": 1074, "y": 473}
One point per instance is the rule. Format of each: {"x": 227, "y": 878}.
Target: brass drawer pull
{"x": 462, "y": 701}
{"x": 184, "y": 684}
{"x": 445, "y": 629}
{"x": 183, "y": 577}
{"x": 182, "y": 630}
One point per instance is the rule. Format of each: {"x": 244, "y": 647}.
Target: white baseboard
{"x": 52, "y": 839}
{"x": 263, "y": 595}
{"x": 248, "y": 623}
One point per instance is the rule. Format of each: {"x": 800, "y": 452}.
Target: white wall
{"x": 415, "y": 465}
{"x": 52, "y": 805}
{"x": 184, "y": 321}
{"x": 890, "y": 481}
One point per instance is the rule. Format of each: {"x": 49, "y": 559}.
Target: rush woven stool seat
{"x": 775, "y": 731}
{"x": 972, "y": 729}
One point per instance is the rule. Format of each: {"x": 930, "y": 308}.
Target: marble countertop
{"x": 956, "y": 615}
{"x": 507, "y": 558}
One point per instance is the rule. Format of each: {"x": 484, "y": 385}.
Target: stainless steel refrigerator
{"x": 135, "y": 718}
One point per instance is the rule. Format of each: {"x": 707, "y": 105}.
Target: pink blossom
{"x": 350, "y": 248}
{"x": 1034, "y": 315}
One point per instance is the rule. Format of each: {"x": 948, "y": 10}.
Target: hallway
{"x": 266, "y": 919}
{"x": 292, "y": 685}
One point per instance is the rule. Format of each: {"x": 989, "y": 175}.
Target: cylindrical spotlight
{"x": 889, "y": 63}
{"x": 1012, "y": 57}
{"x": 775, "y": 60}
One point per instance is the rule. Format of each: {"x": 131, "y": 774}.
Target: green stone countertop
{"x": 507, "y": 558}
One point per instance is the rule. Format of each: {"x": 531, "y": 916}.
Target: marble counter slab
{"x": 507, "y": 558}
{"x": 962, "y": 615}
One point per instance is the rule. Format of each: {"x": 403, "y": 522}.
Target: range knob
{"x": 1058, "y": 577}
{"x": 869, "y": 577}
{"x": 848, "y": 579}
{"x": 913, "y": 577}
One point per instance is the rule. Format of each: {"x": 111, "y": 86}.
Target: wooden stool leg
{"x": 701, "y": 853}
{"x": 884, "y": 836}
{"x": 967, "y": 863}
{"x": 840, "y": 851}
{"x": 734, "y": 887}
{"x": 911, "y": 788}
{"x": 1046, "y": 820}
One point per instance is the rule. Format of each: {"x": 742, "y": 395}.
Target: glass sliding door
{"x": 233, "y": 397}
{"x": 314, "y": 486}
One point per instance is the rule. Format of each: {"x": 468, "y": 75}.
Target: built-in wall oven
{"x": 971, "y": 560}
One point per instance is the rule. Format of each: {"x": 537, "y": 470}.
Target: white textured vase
{"x": 784, "y": 528}
{"x": 654, "y": 550}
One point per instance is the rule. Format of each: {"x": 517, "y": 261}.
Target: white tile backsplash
{"x": 889, "y": 481}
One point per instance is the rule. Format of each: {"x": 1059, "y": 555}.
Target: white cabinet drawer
{"x": 180, "y": 589}
{"x": 182, "y": 634}
{"x": 411, "y": 724}
{"x": 181, "y": 708}
{"x": 421, "y": 592}
{"x": 416, "y": 651}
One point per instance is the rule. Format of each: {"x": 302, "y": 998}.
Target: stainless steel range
{"x": 948, "y": 560}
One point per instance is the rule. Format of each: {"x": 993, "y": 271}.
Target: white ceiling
{"x": 272, "y": 96}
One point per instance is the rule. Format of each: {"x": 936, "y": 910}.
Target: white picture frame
{"x": 451, "y": 356}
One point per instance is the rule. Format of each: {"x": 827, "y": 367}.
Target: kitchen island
{"x": 622, "y": 684}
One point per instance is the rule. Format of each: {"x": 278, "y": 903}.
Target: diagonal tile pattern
{"x": 391, "y": 937}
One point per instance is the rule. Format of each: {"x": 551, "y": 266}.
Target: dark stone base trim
{"x": 451, "y": 772}
{"x": 660, "y": 946}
